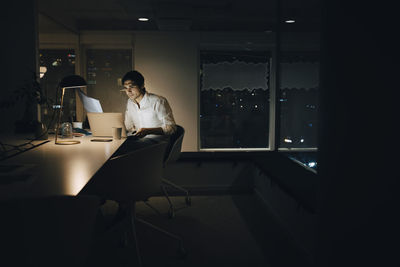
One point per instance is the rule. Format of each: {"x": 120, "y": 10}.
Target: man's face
{"x": 133, "y": 91}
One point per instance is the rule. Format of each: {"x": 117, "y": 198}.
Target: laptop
{"x": 101, "y": 123}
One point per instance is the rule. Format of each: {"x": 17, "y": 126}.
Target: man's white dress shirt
{"x": 153, "y": 111}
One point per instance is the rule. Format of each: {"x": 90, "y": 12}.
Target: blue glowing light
{"x": 312, "y": 164}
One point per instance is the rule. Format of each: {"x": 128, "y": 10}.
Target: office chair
{"x": 172, "y": 154}
{"x": 131, "y": 177}
{"x": 47, "y": 231}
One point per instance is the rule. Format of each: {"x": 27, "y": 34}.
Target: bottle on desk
{"x": 66, "y": 130}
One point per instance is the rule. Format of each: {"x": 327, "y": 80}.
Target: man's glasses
{"x": 130, "y": 87}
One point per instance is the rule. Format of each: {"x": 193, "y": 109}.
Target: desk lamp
{"x": 68, "y": 82}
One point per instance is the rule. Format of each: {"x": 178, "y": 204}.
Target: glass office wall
{"x": 104, "y": 70}
{"x": 234, "y": 99}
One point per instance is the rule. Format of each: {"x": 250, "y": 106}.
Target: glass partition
{"x": 104, "y": 70}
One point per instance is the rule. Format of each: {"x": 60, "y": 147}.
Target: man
{"x": 146, "y": 113}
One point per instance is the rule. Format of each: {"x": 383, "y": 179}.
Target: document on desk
{"x": 89, "y": 103}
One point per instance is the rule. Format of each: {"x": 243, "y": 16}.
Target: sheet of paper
{"x": 89, "y": 103}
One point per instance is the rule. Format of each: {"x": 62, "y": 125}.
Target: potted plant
{"x": 31, "y": 95}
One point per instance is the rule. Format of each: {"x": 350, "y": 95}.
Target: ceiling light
{"x": 143, "y": 19}
{"x": 290, "y": 21}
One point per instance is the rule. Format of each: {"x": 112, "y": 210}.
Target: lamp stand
{"x": 64, "y": 142}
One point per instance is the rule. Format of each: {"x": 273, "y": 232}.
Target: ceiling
{"x": 182, "y": 15}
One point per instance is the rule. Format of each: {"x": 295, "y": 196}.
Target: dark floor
{"x": 223, "y": 230}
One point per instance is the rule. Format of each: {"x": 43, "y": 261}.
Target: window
{"x": 298, "y": 100}
{"x": 234, "y": 99}
{"x": 55, "y": 64}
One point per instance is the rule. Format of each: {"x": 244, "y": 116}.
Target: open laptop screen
{"x": 101, "y": 124}
{"x": 89, "y": 103}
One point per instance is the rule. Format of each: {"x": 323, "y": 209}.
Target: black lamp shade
{"x": 72, "y": 80}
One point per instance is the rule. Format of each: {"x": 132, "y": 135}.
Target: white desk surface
{"x": 56, "y": 169}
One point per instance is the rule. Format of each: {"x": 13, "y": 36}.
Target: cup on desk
{"x": 77, "y": 124}
{"x": 116, "y": 132}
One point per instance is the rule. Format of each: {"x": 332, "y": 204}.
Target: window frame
{"x": 273, "y": 113}
{"x": 295, "y": 149}
{"x": 272, "y": 105}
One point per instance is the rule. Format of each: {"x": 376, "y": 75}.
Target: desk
{"x": 51, "y": 169}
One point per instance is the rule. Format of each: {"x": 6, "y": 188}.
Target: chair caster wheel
{"x": 188, "y": 201}
{"x": 171, "y": 213}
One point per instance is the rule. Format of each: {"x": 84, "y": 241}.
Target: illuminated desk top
{"x": 51, "y": 169}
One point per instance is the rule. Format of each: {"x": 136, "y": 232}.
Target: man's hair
{"x": 134, "y": 76}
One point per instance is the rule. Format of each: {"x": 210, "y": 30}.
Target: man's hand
{"x": 142, "y": 132}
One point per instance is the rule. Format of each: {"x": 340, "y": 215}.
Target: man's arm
{"x": 165, "y": 114}
{"x": 142, "y": 132}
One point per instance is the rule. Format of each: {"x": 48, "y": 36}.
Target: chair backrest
{"x": 47, "y": 231}
{"x": 132, "y": 176}
{"x": 175, "y": 145}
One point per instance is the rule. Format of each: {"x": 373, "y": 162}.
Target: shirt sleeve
{"x": 164, "y": 112}
{"x": 128, "y": 119}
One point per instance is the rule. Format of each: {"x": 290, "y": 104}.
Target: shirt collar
{"x": 142, "y": 102}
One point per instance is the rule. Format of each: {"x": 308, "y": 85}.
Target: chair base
{"x": 181, "y": 248}
{"x": 132, "y": 219}
{"x": 172, "y": 210}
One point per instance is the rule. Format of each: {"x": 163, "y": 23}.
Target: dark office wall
{"x": 19, "y": 61}
{"x": 298, "y": 222}
{"x": 357, "y": 165}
